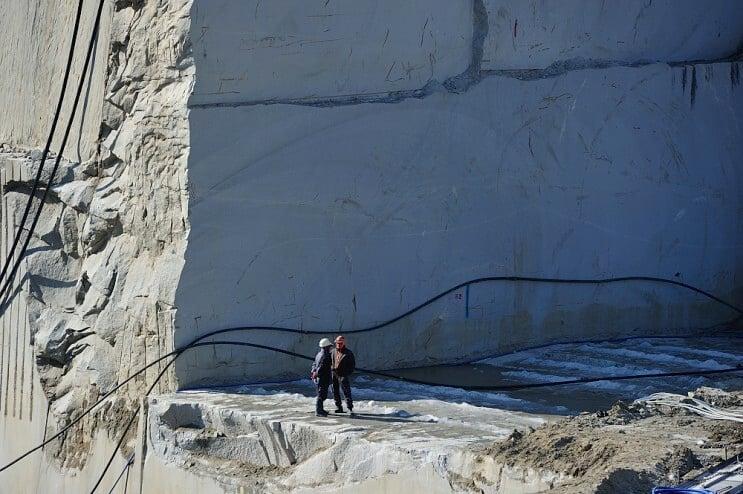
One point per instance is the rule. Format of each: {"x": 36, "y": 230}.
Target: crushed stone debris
{"x": 629, "y": 448}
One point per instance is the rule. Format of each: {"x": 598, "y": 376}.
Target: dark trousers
{"x": 322, "y": 394}
{"x": 343, "y": 383}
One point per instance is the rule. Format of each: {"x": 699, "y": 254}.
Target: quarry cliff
{"x": 326, "y": 166}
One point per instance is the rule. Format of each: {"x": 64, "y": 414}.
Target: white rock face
{"x": 35, "y": 36}
{"x": 299, "y": 50}
{"x": 329, "y": 165}
{"x": 269, "y": 438}
{"x": 105, "y": 260}
{"x": 337, "y": 218}
{"x": 77, "y": 194}
{"x": 534, "y": 34}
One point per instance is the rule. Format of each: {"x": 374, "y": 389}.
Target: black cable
{"x": 199, "y": 341}
{"x": 73, "y": 111}
{"x": 87, "y": 411}
{"x": 128, "y": 465}
{"x": 129, "y": 425}
{"x": 196, "y": 343}
{"x": 132, "y": 377}
{"x": 48, "y": 145}
{"x": 508, "y": 387}
{"x": 476, "y": 281}
{"x": 178, "y": 352}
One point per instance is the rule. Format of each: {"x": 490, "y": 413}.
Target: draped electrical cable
{"x": 125, "y": 470}
{"x": 198, "y": 342}
{"x": 52, "y": 176}
{"x": 504, "y": 387}
{"x": 511, "y": 387}
{"x": 176, "y": 353}
{"x": 476, "y": 281}
{"x": 47, "y": 147}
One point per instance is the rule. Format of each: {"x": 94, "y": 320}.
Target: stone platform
{"x": 405, "y": 437}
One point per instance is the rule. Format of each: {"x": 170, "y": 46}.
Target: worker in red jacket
{"x": 344, "y": 363}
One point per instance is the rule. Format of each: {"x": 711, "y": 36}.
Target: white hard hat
{"x": 325, "y": 342}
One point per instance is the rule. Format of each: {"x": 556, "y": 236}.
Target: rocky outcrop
{"x": 105, "y": 260}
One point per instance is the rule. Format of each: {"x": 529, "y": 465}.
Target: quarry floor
{"x": 411, "y": 438}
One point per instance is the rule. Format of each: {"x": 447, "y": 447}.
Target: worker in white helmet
{"x": 321, "y": 374}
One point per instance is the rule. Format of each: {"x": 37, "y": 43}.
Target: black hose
{"x": 128, "y": 465}
{"x": 198, "y": 341}
{"x": 508, "y": 387}
{"x": 476, "y": 281}
{"x": 177, "y": 353}
{"x": 87, "y": 411}
{"x": 128, "y": 426}
{"x": 48, "y": 145}
{"x": 81, "y": 84}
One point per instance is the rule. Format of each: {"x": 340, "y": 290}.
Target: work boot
{"x": 321, "y": 413}
{"x": 340, "y": 410}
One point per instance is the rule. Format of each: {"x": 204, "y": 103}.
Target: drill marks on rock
{"x": 22, "y": 328}
{"x": 16, "y": 360}
{"x": 89, "y": 271}
{"x": 734, "y": 74}
{"x": 3, "y": 255}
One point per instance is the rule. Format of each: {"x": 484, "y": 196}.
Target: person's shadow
{"x": 381, "y": 417}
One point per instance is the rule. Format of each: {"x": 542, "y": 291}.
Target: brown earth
{"x": 627, "y": 449}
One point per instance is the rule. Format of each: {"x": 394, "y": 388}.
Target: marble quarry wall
{"x": 327, "y": 165}
{"x": 347, "y": 162}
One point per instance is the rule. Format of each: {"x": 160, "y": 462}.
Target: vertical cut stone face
{"x": 340, "y": 217}
{"x": 35, "y": 36}
{"x": 534, "y": 34}
{"x": 249, "y": 51}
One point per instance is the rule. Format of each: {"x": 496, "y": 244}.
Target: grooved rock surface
{"x": 35, "y": 37}
{"x": 105, "y": 259}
